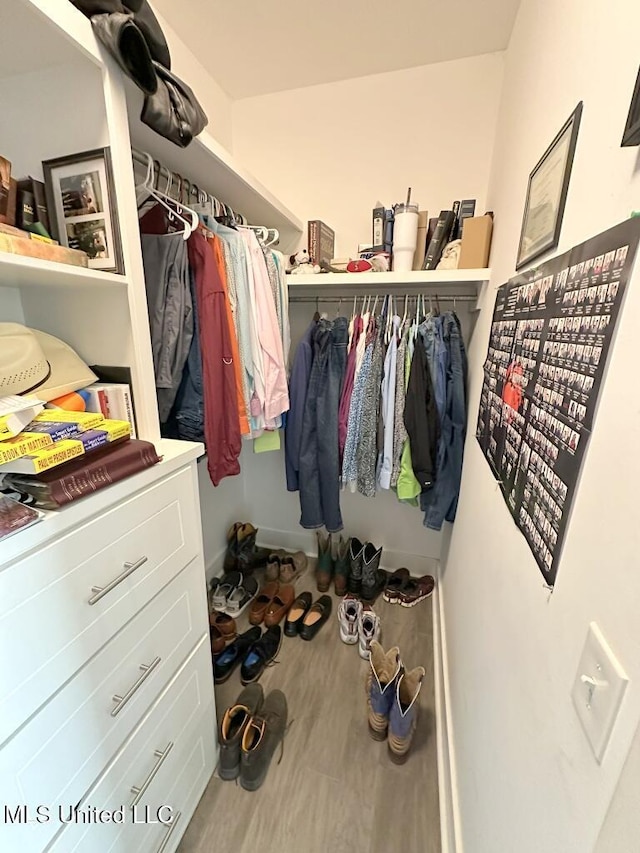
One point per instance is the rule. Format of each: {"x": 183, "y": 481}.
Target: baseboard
{"x": 305, "y": 540}
{"x": 450, "y": 829}
{"x": 213, "y": 566}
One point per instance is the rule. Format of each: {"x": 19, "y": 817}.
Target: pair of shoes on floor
{"x": 250, "y": 732}
{"x": 403, "y": 589}
{"x": 232, "y": 593}
{"x": 222, "y": 631}
{"x": 355, "y": 567}
{"x": 286, "y": 567}
{"x": 358, "y": 624}
{"x": 253, "y": 651}
{"x": 392, "y": 699}
{"x": 306, "y": 618}
{"x": 243, "y": 555}
{"x": 272, "y": 604}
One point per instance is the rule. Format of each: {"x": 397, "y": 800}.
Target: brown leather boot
{"x": 324, "y": 566}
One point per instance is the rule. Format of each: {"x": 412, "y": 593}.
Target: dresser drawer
{"x": 59, "y": 753}
{"x": 51, "y": 599}
{"x": 163, "y": 764}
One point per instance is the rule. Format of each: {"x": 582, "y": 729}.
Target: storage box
{"x": 9, "y": 218}
{"x": 476, "y": 242}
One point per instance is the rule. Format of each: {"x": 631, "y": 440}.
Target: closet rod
{"x": 195, "y": 191}
{"x": 439, "y": 298}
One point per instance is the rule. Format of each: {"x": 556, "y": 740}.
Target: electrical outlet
{"x": 598, "y": 690}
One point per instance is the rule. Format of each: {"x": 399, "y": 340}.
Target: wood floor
{"x": 336, "y": 790}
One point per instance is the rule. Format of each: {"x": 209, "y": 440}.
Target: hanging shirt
{"x": 274, "y": 399}
{"x": 388, "y": 406}
{"x": 218, "y": 255}
{"x": 421, "y": 419}
{"x": 221, "y": 425}
{"x": 240, "y": 294}
{"x": 298, "y": 385}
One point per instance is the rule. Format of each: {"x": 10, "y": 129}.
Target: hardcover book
{"x": 108, "y": 465}
{"x": 15, "y": 516}
{"x": 321, "y": 241}
{"x": 439, "y": 240}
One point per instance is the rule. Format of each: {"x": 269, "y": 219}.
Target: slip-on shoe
{"x": 296, "y": 614}
{"x": 260, "y": 654}
{"x": 233, "y": 655}
{"x": 262, "y": 601}
{"x": 315, "y": 617}
{"x": 280, "y": 605}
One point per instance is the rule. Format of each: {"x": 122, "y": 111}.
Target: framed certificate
{"x": 547, "y": 194}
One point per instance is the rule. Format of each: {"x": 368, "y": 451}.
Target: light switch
{"x": 598, "y": 690}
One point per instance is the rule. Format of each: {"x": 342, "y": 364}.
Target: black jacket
{"x": 421, "y": 419}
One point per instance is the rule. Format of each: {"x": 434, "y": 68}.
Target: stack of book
{"x": 60, "y": 456}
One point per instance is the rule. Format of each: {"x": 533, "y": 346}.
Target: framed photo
{"x": 547, "y": 194}
{"x": 82, "y": 208}
{"x": 631, "y": 135}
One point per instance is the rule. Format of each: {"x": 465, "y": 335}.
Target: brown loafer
{"x": 218, "y": 640}
{"x": 262, "y": 601}
{"x": 224, "y": 623}
{"x": 416, "y": 590}
{"x": 280, "y": 606}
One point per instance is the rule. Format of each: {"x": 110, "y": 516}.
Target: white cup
{"x": 405, "y": 236}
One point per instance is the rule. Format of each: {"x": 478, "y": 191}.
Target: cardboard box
{"x": 476, "y": 242}
{"x": 9, "y": 218}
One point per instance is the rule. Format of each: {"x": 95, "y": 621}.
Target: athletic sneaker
{"x": 368, "y": 630}
{"x": 349, "y": 616}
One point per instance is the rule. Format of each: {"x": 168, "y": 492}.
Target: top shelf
{"x": 208, "y": 164}
{"x": 447, "y": 280}
{"x": 57, "y": 33}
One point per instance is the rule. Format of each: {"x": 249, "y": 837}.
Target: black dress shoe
{"x": 260, "y": 654}
{"x": 226, "y": 662}
{"x": 315, "y": 617}
{"x": 296, "y": 614}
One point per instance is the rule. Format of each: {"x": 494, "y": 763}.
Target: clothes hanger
{"x": 339, "y": 306}
{"x": 406, "y": 305}
{"x": 149, "y": 186}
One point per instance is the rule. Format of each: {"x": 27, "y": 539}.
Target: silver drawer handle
{"x": 146, "y": 672}
{"x": 161, "y": 756}
{"x": 129, "y": 569}
{"x": 167, "y": 837}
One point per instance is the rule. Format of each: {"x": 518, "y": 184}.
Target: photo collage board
{"x": 550, "y": 337}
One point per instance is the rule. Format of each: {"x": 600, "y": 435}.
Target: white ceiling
{"x": 252, "y": 48}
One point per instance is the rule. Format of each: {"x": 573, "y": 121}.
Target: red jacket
{"x": 221, "y": 425}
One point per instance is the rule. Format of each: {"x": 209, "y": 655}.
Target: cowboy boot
{"x": 403, "y": 717}
{"x": 384, "y": 671}
{"x": 341, "y": 567}
{"x": 250, "y": 556}
{"x": 231, "y": 557}
{"x": 324, "y": 566}
{"x": 356, "y": 552}
{"x": 374, "y": 579}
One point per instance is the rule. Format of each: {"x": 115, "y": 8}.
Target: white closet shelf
{"x": 58, "y": 33}
{"x": 21, "y": 271}
{"x": 446, "y": 280}
{"x": 208, "y": 164}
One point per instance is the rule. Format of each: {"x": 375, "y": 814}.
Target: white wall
{"x": 527, "y": 780}
{"x": 334, "y": 164}
{"x": 621, "y": 830}
{"x": 215, "y": 101}
{"x": 331, "y": 151}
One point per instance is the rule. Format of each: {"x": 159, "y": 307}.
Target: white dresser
{"x": 106, "y": 688}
